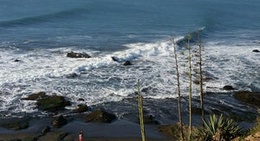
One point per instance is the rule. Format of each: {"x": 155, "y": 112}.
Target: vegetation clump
{"x": 218, "y": 128}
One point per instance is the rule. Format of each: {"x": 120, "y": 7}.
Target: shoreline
{"x": 118, "y": 130}
{"x": 124, "y": 127}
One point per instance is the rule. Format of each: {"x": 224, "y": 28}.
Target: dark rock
{"x": 127, "y": 63}
{"x": 17, "y": 60}
{"x": 30, "y": 138}
{"x": 81, "y": 99}
{"x": 115, "y": 59}
{"x": 73, "y": 75}
{"x": 197, "y": 82}
{"x": 59, "y": 122}
{"x": 256, "y": 50}
{"x": 14, "y": 140}
{"x": 46, "y": 130}
{"x": 150, "y": 119}
{"x": 78, "y": 55}
{"x": 100, "y": 116}
{"x": 248, "y": 97}
{"x": 16, "y": 125}
{"x": 81, "y": 108}
{"x": 35, "y": 96}
{"x": 55, "y": 136}
{"x": 228, "y": 88}
{"x": 207, "y": 79}
{"x": 52, "y": 103}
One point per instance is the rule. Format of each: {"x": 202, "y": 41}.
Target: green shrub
{"x": 218, "y": 128}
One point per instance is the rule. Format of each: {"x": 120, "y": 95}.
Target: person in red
{"x": 81, "y": 136}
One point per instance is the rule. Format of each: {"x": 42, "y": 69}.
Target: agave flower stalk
{"x": 201, "y": 80}
{"x": 178, "y": 89}
{"x": 140, "y": 109}
{"x": 190, "y": 87}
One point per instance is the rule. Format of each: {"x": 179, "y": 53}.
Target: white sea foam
{"x": 100, "y": 79}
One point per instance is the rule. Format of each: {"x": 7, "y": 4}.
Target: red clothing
{"x": 80, "y": 136}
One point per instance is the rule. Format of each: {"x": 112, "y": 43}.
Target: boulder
{"x": 52, "y": 103}
{"x": 228, "y": 88}
{"x": 100, "y": 116}
{"x": 127, "y": 63}
{"x": 81, "y": 99}
{"x": 17, "y": 60}
{"x": 115, "y": 59}
{"x": 81, "y": 108}
{"x": 72, "y": 75}
{"x": 150, "y": 119}
{"x": 78, "y": 55}
{"x": 256, "y": 50}
{"x": 35, "y": 96}
{"x": 59, "y": 122}
{"x": 45, "y": 130}
{"x": 54, "y": 136}
{"x": 248, "y": 97}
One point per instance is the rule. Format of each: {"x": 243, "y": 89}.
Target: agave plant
{"x": 220, "y": 128}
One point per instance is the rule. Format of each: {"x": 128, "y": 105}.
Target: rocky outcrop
{"x": 17, "y": 60}
{"x": 228, "y": 88}
{"x": 81, "y": 108}
{"x": 45, "y": 130}
{"x": 35, "y": 96}
{"x": 150, "y": 119}
{"x": 59, "y": 122}
{"x": 127, "y": 63}
{"x": 55, "y": 136}
{"x": 48, "y": 103}
{"x": 248, "y": 97}
{"x": 115, "y": 59}
{"x": 100, "y": 116}
{"x": 16, "y": 125}
{"x": 78, "y": 55}
{"x": 52, "y": 103}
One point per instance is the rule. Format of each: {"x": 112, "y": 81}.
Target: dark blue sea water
{"x": 39, "y": 33}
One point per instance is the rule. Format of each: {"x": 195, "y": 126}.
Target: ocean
{"x": 35, "y": 36}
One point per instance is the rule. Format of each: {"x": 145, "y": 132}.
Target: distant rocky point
{"x": 77, "y": 55}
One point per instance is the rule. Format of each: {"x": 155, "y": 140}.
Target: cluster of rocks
{"x": 77, "y": 55}
{"x": 126, "y": 62}
{"x": 55, "y": 105}
{"x": 85, "y": 55}
{"x": 50, "y": 103}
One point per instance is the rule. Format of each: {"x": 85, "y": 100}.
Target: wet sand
{"x": 120, "y": 130}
